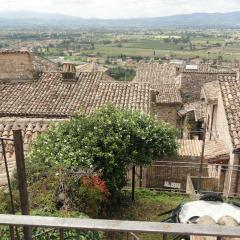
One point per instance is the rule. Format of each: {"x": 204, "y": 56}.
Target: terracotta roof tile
{"x": 135, "y": 96}
{"x": 10, "y": 51}
{"x": 191, "y": 148}
{"x": 90, "y": 67}
{"x": 199, "y": 108}
{"x": 41, "y": 64}
{"x": 156, "y": 74}
{"x": 51, "y": 96}
{"x": 211, "y": 91}
{"x": 30, "y": 127}
{"x": 167, "y": 94}
{"x": 215, "y": 150}
{"x": 230, "y": 91}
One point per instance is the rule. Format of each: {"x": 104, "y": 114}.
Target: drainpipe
{"x": 199, "y": 186}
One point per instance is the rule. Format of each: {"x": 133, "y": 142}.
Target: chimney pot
{"x": 69, "y": 71}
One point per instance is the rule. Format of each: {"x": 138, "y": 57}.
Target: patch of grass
{"x": 210, "y": 40}
{"x": 147, "y": 207}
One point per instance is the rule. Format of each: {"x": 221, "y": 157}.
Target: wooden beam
{"x": 119, "y": 226}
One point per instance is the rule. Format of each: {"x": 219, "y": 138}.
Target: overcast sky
{"x": 121, "y": 8}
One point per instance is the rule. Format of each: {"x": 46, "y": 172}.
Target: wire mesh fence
{"x": 173, "y": 176}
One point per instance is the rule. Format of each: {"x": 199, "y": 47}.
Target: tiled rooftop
{"x": 211, "y": 91}
{"x": 215, "y": 150}
{"x": 199, "y": 108}
{"x": 156, "y": 73}
{"x": 189, "y": 148}
{"x": 206, "y": 69}
{"x": 167, "y": 94}
{"x": 51, "y": 96}
{"x": 30, "y": 127}
{"x": 10, "y": 51}
{"x": 43, "y": 64}
{"x": 90, "y": 67}
{"x": 135, "y": 96}
{"x": 230, "y": 90}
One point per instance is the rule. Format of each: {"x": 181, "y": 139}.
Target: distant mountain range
{"x": 199, "y": 20}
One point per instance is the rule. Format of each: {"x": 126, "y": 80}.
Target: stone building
{"x": 31, "y": 101}
{"x": 31, "y": 104}
{"x": 166, "y": 103}
{"x": 173, "y": 173}
{"x": 223, "y": 122}
{"x": 182, "y": 84}
{"x": 192, "y": 117}
{"x": 16, "y": 65}
{"x": 23, "y": 66}
{"x": 193, "y": 77}
{"x": 157, "y": 74}
{"x": 165, "y": 85}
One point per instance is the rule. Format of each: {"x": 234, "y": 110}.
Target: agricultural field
{"x": 77, "y": 45}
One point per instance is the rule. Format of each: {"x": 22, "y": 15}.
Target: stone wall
{"x": 191, "y": 84}
{"x": 16, "y": 66}
{"x": 221, "y": 131}
{"x": 167, "y": 113}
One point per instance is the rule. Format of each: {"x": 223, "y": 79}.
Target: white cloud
{"x": 121, "y": 8}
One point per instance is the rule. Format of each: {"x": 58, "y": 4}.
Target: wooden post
{"x": 133, "y": 182}
{"x": 61, "y": 233}
{"x": 22, "y": 182}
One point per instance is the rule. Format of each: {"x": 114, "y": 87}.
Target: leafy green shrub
{"x": 53, "y": 190}
{"x": 56, "y": 189}
{"x": 107, "y": 142}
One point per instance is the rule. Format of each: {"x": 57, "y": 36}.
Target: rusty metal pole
{"x": 133, "y": 182}
{"x": 199, "y": 186}
{"x": 141, "y": 177}
{"x": 61, "y": 234}
{"x": 11, "y": 228}
{"x": 22, "y": 182}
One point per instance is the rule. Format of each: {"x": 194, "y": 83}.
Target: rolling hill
{"x": 202, "y": 20}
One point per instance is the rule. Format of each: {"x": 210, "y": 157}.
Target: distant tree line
{"x": 122, "y": 74}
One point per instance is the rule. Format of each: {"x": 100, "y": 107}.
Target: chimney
{"x": 178, "y": 70}
{"x": 69, "y": 71}
{"x": 16, "y": 65}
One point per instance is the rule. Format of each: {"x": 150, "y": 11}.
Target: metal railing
{"x": 126, "y": 227}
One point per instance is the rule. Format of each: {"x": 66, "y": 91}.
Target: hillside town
{"x": 188, "y": 97}
{"x": 119, "y": 120}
